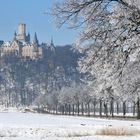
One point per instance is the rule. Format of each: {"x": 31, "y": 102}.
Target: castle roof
{"x": 6, "y": 43}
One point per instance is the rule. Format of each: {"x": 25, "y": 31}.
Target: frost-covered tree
{"x": 97, "y": 17}
{"x": 110, "y": 30}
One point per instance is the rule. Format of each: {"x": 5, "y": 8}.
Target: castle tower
{"x": 22, "y": 29}
{"x": 21, "y": 32}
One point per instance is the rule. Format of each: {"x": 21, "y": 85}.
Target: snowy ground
{"x": 33, "y": 126}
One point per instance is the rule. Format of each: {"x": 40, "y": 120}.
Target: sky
{"x": 31, "y": 12}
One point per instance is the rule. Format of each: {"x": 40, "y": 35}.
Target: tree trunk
{"x": 124, "y": 109}
{"x": 56, "y": 109}
{"x": 105, "y": 109}
{"x": 117, "y": 107}
{"x": 82, "y": 109}
{"x": 100, "y": 108}
{"x": 69, "y": 109}
{"x": 78, "y": 110}
{"x": 88, "y": 108}
{"x": 65, "y": 109}
{"x": 94, "y": 107}
{"x": 85, "y": 109}
{"x": 112, "y": 107}
{"x": 138, "y": 108}
{"x": 73, "y": 109}
{"x": 134, "y": 108}
{"x": 62, "y": 110}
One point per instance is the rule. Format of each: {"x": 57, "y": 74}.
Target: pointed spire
{"x": 15, "y": 35}
{"x": 35, "y": 41}
{"x": 52, "y": 47}
{"x": 28, "y": 37}
{"x": 52, "y": 43}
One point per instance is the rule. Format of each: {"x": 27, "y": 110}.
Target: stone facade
{"x": 22, "y": 46}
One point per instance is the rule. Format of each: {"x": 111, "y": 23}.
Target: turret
{"x": 52, "y": 44}
{"x": 15, "y": 35}
{"x": 28, "y": 38}
{"x": 35, "y": 41}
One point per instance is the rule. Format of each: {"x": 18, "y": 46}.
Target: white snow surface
{"x": 34, "y": 126}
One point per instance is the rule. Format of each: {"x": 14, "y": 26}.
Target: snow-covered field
{"x": 33, "y": 126}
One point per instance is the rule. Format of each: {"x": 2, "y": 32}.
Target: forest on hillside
{"x": 23, "y": 81}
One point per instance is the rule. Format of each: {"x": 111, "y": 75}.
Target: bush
{"x": 119, "y": 131}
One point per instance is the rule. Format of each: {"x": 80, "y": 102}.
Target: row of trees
{"x": 81, "y": 100}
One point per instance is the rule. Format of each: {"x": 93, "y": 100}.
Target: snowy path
{"x": 32, "y": 126}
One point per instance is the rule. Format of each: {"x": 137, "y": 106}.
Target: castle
{"x": 22, "y": 46}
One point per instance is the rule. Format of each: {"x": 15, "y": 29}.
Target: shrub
{"x": 119, "y": 131}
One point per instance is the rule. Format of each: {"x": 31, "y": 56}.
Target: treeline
{"x": 81, "y": 100}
